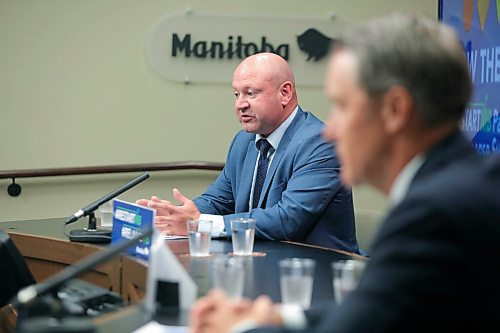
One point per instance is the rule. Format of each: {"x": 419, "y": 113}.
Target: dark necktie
{"x": 262, "y": 165}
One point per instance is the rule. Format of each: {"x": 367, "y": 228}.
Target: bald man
{"x": 301, "y": 198}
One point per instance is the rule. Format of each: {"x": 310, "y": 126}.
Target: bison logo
{"x": 315, "y": 44}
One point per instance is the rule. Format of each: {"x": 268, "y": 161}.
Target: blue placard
{"x": 477, "y": 23}
{"x": 128, "y": 221}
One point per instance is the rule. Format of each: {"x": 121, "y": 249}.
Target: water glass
{"x": 200, "y": 235}
{"x": 296, "y": 281}
{"x": 346, "y": 275}
{"x": 106, "y": 211}
{"x": 229, "y": 275}
{"x": 242, "y": 235}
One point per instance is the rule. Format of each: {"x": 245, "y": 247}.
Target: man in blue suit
{"x": 399, "y": 86}
{"x": 299, "y": 196}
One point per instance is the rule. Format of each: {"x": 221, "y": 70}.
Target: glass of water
{"x": 242, "y": 235}
{"x": 200, "y": 235}
{"x": 346, "y": 275}
{"x": 106, "y": 211}
{"x": 296, "y": 281}
{"x": 229, "y": 275}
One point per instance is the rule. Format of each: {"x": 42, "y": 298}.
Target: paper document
{"x": 176, "y": 237}
{"x": 222, "y": 235}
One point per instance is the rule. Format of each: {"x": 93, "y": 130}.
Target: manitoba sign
{"x": 206, "y": 48}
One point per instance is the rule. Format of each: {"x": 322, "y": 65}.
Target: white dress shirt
{"x": 400, "y": 186}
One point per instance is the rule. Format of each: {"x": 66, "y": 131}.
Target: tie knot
{"x": 263, "y": 145}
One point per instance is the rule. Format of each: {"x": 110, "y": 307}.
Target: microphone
{"x": 30, "y": 297}
{"x": 28, "y": 294}
{"x": 91, "y": 234}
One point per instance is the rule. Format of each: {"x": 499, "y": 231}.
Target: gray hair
{"x": 417, "y": 53}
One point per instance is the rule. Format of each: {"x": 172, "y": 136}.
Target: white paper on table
{"x": 164, "y": 266}
{"x": 176, "y": 237}
{"x": 155, "y": 327}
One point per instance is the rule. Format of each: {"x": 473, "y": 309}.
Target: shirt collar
{"x": 275, "y": 137}
{"x": 400, "y": 187}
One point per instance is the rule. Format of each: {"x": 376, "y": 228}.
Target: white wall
{"x": 76, "y": 90}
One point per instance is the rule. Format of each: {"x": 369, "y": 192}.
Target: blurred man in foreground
{"x": 399, "y": 86}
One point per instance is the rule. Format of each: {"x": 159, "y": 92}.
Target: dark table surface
{"x": 261, "y": 271}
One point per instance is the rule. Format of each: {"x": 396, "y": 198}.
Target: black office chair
{"x": 15, "y": 273}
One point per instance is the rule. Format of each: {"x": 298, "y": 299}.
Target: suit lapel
{"x": 247, "y": 171}
{"x": 280, "y": 152}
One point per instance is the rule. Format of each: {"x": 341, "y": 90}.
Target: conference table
{"x": 47, "y": 250}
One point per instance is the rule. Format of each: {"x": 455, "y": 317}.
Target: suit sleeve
{"x": 219, "y": 198}
{"x": 314, "y": 317}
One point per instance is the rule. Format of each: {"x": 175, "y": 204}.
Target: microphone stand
{"x": 92, "y": 234}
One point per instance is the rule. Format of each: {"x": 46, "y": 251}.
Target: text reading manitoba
{"x": 232, "y": 48}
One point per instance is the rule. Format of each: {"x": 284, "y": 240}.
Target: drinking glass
{"x": 242, "y": 235}
{"x": 296, "y": 281}
{"x": 200, "y": 235}
{"x": 106, "y": 211}
{"x": 229, "y": 275}
{"x": 346, "y": 275}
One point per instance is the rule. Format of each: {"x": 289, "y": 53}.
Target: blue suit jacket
{"x": 302, "y": 198}
{"x": 434, "y": 265}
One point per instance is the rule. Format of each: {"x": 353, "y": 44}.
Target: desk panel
{"x": 47, "y": 251}
{"x": 47, "y": 256}
{"x": 134, "y": 273}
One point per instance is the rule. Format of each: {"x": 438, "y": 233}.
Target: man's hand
{"x": 171, "y": 219}
{"x": 216, "y": 313}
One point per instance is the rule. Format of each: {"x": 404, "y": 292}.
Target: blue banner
{"x": 477, "y": 23}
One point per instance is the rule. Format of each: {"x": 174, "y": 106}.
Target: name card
{"x": 128, "y": 222}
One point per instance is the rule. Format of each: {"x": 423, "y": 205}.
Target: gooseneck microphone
{"x": 91, "y": 234}
{"x": 30, "y": 293}
{"x": 93, "y": 206}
